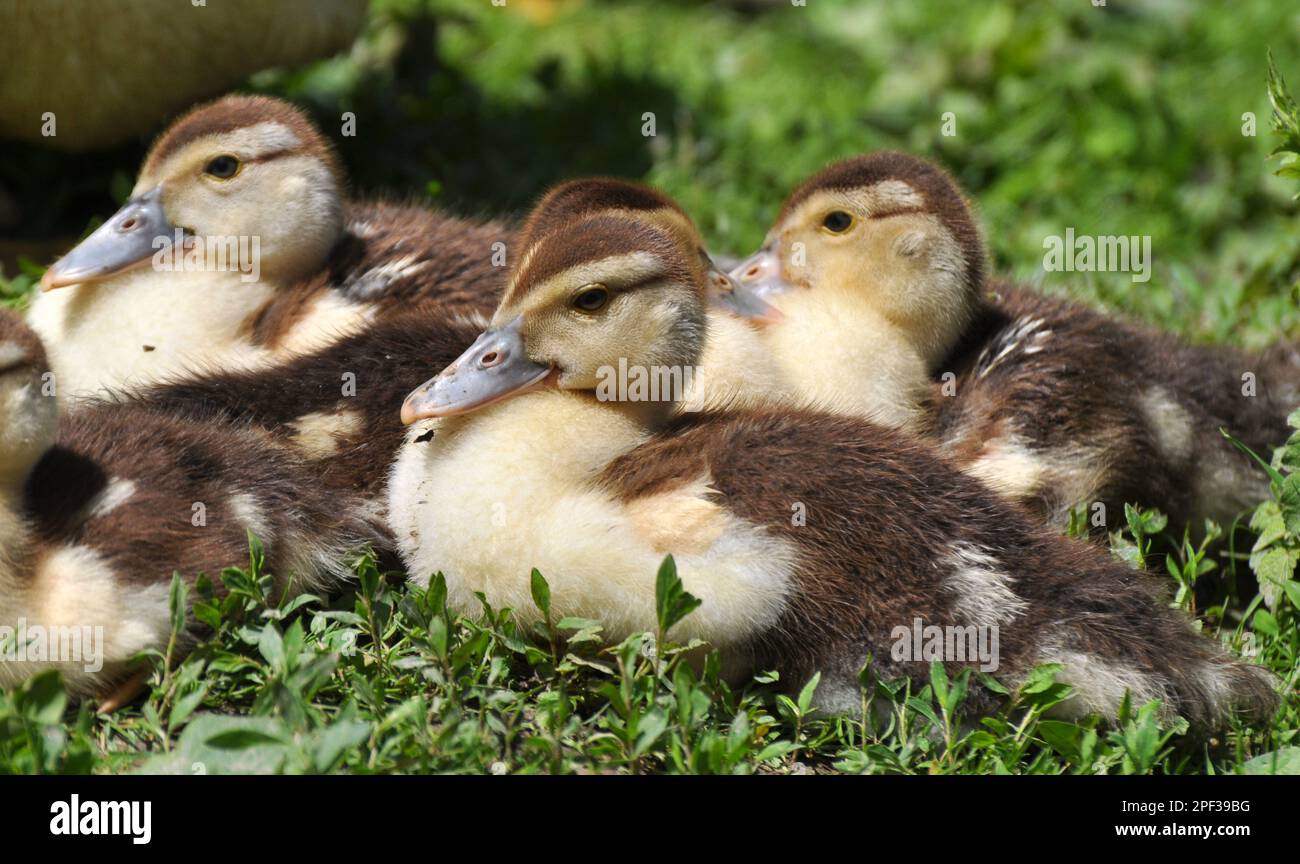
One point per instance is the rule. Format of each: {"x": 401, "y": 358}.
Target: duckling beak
{"x": 760, "y": 274}
{"x": 495, "y": 367}
{"x": 128, "y": 239}
{"x": 726, "y": 293}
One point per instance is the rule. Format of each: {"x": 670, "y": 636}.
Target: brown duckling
{"x": 878, "y": 260}
{"x": 736, "y": 368}
{"x": 238, "y": 248}
{"x": 341, "y": 409}
{"x": 812, "y": 539}
{"x": 342, "y": 412}
{"x": 98, "y": 508}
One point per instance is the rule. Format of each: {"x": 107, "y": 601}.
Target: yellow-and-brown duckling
{"x": 811, "y": 538}
{"x": 736, "y": 368}
{"x": 339, "y": 407}
{"x": 238, "y": 247}
{"x": 878, "y": 267}
{"x": 342, "y": 410}
{"x": 100, "y": 506}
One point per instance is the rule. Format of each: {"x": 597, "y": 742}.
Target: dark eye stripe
{"x": 901, "y": 211}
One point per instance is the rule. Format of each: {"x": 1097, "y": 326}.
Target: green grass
{"x": 387, "y": 680}
{"x": 1127, "y": 119}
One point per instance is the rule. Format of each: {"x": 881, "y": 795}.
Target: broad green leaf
{"x": 672, "y": 602}
{"x": 541, "y": 593}
{"x": 1283, "y": 761}
{"x": 806, "y": 694}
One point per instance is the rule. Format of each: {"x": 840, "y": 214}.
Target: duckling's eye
{"x": 222, "y": 167}
{"x": 591, "y": 298}
{"x": 837, "y": 222}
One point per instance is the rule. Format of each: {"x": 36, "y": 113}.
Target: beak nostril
{"x": 128, "y": 224}
{"x": 491, "y": 358}
{"x": 752, "y": 272}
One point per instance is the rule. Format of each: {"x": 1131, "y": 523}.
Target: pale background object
{"x": 109, "y": 71}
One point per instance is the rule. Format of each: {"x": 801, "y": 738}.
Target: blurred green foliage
{"x": 1126, "y": 118}
{"x": 1123, "y": 119}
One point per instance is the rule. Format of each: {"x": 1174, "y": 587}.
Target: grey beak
{"x": 129, "y": 238}
{"x": 495, "y": 367}
{"x": 726, "y": 293}
{"x": 761, "y": 274}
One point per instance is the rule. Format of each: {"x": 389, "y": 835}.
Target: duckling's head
{"x": 591, "y": 196}
{"x": 590, "y": 295}
{"x": 887, "y": 230}
{"x": 28, "y": 407}
{"x": 247, "y": 167}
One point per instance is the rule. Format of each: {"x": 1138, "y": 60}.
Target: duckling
{"x": 1054, "y": 405}
{"x": 342, "y": 412}
{"x": 100, "y": 506}
{"x": 736, "y": 368}
{"x": 811, "y": 538}
{"x": 238, "y": 249}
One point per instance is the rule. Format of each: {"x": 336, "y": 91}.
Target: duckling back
{"x": 882, "y": 536}
{"x": 128, "y": 496}
{"x": 812, "y": 539}
{"x": 1056, "y": 405}
{"x": 338, "y": 408}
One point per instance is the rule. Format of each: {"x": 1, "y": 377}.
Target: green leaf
{"x": 1273, "y": 473}
{"x": 220, "y": 744}
{"x": 1274, "y": 568}
{"x": 806, "y": 694}
{"x": 1288, "y": 501}
{"x": 939, "y": 681}
{"x": 185, "y": 706}
{"x": 336, "y": 740}
{"x": 176, "y": 603}
{"x": 1292, "y": 590}
{"x": 1267, "y": 522}
{"x": 256, "y": 554}
{"x": 436, "y": 597}
{"x": 42, "y": 698}
{"x": 1041, "y": 678}
{"x": 207, "y": 614}
{"x": 1265, "y": 623}
{"x": 672, "y": 602}
{"x": 1283, "y": 761}
{"x": 438, "y": 637}
{"x": 541, "y": 593}
{"x": 1286, "y": 119}
{"x": 271, "y": 646}
{"x": 649, "y": 728}
{"x": 993, "y": 684}
{"x": 1062, "y": 737}
{"x": 1289, "y": 456}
